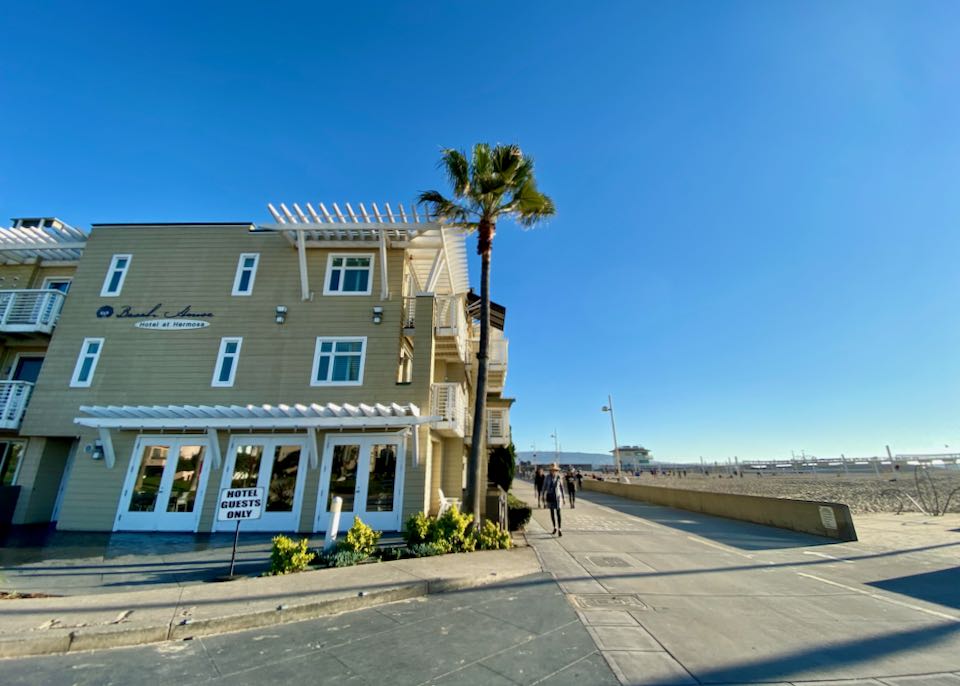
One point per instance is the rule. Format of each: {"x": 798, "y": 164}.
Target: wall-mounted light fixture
{"x": 377, "y": 315}
{"x": 281, "y": 314}
{"x": 95, "y": 450}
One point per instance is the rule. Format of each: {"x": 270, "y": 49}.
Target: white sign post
{"x": 238, "y": 504}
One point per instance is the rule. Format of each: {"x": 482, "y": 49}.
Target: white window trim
{"x": 326, "y": 278}
{"x": 75, "y": 379}
{"x": 47, "y": 280}
{"x": 221, "y": 355}
{"x": 16, "y": 360}
{"x": 104, "y": 292}
{"x": 239, "y": 274}
{"x": 334, "y": 340}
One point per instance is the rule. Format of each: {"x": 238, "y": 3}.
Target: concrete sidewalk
{"x": 86, "y": 622}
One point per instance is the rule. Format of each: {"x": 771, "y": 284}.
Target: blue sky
{"x": 756, "y": 244}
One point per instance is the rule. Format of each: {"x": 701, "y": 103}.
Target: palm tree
{"x": 495, "y": 183}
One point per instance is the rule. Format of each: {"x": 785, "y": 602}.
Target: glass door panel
{"x": 186, "y": 479}
{"x": 381, "y": 478}
{"x": 246, "y": 466}
{"x": 283, "y": 478}
{"x": 343, "y": 475}
{"x": 146, "y": 488}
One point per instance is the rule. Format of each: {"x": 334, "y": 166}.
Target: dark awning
{"x": 498, "y": 313}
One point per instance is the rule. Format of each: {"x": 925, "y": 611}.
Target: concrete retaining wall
{"x": 832, "y": 520}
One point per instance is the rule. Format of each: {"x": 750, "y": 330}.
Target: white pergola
{"x": 437, "y": 253}
{"x": 46, "y": 240}
{"x": 214, "y": 418}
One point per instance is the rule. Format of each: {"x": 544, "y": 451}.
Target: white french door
{"x": 279, "y": 465}
{"x": 165, "y": 485}
{"x": 366, "y": 471}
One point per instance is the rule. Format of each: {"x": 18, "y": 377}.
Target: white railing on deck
{"x": 14, "y": 396}
{"x": 496, "y": 351}
{"x": 498, "y": 426}
{"x": 29, "y": 310}
{"x": 449, "y": 401}
{"x": 409, "y": 312}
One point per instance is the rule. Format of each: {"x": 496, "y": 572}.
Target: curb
{"x": 118, "y": 637}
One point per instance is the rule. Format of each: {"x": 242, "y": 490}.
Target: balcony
{"x": 449, "y": 401}
{"x": 498, "y": 426}
{"x": 451, "y": 327}
{"x": 29, "y": 311}
{"x": 13, "y": 401}
{"x": 497, "y": 349}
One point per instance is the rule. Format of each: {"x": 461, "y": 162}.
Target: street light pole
{"x": 613, "y": 425}
{"x": 556, "y": 447}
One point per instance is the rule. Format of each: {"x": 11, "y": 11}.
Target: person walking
{"x": 571, "y": 480}
{"x": 553, "y": 495}
{"x": 538, "y": 478}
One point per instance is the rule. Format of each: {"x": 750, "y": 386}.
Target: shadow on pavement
{"x": 942, "y": 587}
{"x": 822, "y": 658}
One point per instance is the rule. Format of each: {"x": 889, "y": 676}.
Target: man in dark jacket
{"x": 538, "y": 478}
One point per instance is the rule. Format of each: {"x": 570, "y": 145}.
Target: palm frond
{"x": 457, "y": 168}
{"x": 444, "y": 209}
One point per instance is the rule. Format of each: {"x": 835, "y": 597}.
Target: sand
{"x": 862, "y": 492}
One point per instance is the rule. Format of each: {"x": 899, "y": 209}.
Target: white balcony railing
{"x": 498, "y": 427}
{"x": 449, "y": 402}
{"x": 29, "y": 311}
{"x": 497, "y": 349}
{"x": 14, "y": 396}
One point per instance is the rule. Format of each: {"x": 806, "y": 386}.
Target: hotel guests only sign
{"x": 238, "y": 504}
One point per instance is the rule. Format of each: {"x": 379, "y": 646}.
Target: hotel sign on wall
{"x": 157, "y": 318}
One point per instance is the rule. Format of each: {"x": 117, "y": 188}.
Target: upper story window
{"x": 339, "y": 362}
{"x": 226, "y": 368}
{"x": 246, "y": 274}
{"x": 86, "y": 362}
{"x": 349, "y": 274}
{"x": 116, "y": 275}
{"x": 57, "y": 283}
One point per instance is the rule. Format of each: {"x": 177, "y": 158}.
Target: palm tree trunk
{"x": 475, "y": 488}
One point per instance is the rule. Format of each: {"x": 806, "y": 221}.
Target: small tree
{"x": 503, "y": 465}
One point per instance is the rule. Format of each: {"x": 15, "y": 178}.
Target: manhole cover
{"x": 600, "y": 561}
{"x": 596, "y": 601}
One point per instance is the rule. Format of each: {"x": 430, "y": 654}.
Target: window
{"x": 246, "y": 274}
{"x": 226, "y": 368}
{"x": 57, "y": 283}
{"x": 10, "y": 454}
{"x": 349, "y": 275}
{"x": 87, "y": 362}
{"x": 338, "y": 362}
{"x": 115, "y": 275}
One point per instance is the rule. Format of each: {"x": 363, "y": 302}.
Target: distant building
{"x": 634, "y": 455}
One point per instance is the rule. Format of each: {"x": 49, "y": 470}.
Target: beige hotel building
{"x": 330, "y": 352}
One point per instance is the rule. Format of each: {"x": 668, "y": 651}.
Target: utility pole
{"x": 613, "y": 425}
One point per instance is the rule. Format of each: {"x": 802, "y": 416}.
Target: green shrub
{"x": 429, "y": 549}
{"x": 492, "y": 537}
{"x": 289, "y": 556}
{"x": 518, "y": 513}
{"x": 360, "y": 539}
{"x": 346, "y": 558}
{"x": 502, "y": 465}
{"x": 453, "y": 527}
{"x": 417, "y": 529}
